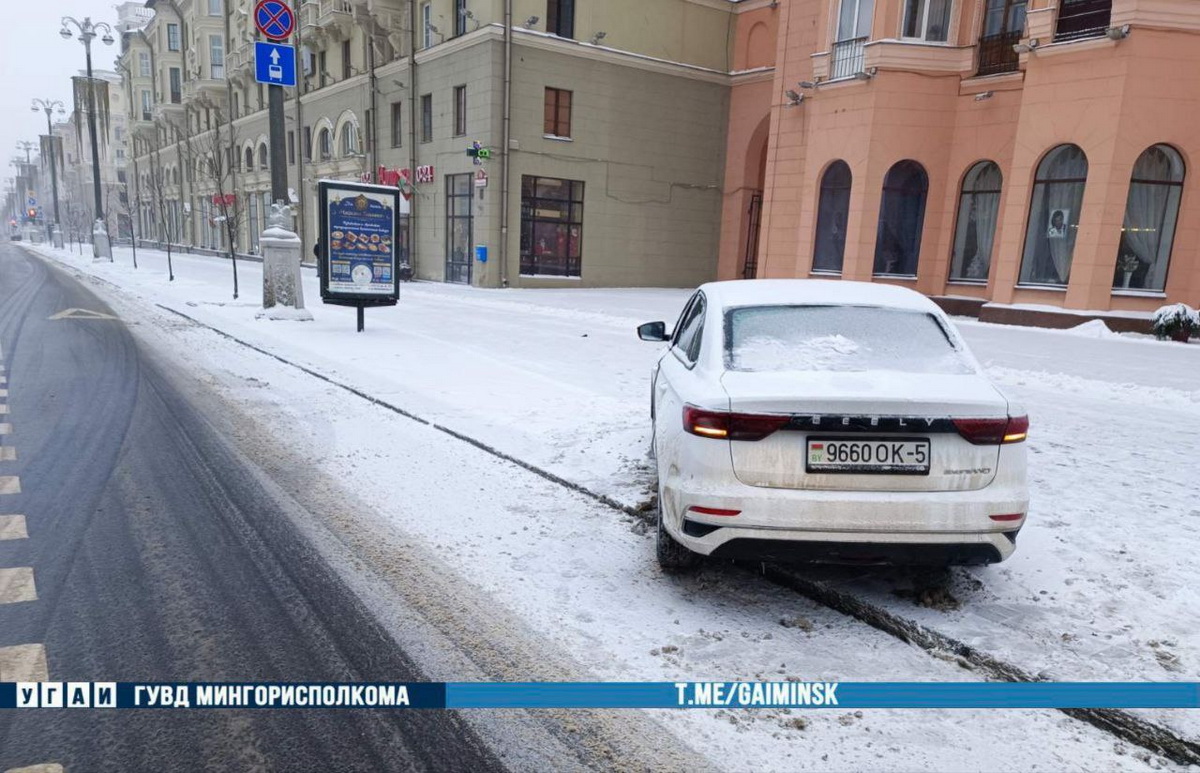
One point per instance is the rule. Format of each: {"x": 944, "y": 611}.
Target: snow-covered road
{"x": 1100, "y": 587}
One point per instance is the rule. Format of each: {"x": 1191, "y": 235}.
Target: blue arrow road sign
{"x": 274, "y": 64}
{"x": 32, "y": 202}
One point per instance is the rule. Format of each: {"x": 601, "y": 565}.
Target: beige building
{"x": 605, "y": 169}
{"x": 76, "y": 191}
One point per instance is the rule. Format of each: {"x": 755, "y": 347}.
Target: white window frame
{"x": 174, "y": 39}
{"x": 924, "y": 36}
{"x": 144, "y": 64}
{"x": 427, "y": 24}
{"x": 216, "y": 56}
{"x": 837, "y": 20}
{"x": 216, "y": 8}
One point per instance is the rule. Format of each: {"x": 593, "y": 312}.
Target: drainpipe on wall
{"x": 300, "y": 82}
{"x": 412, "y": 132}
{"x": 373, "y": 124}
{"x": 505, "y": 139}
{"x": 233, "y": 151}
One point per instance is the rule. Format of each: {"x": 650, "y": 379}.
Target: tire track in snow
{"x": 1117, "y": 722}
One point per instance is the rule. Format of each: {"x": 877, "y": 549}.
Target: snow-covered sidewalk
{"x": 1099, "y": 589}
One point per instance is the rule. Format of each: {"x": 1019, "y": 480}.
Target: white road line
{"x": 23, "y": 663}
{"x": 47, "y": 767}
{"x": 10, "y": 484}
{"x": 16, "y": 585}
{"x": 8, "y": 454}
{"x": 5, "y": 429}
{"x": 3, "y": 408}
{"x": 3, "y": 392}
{"x": 13, "y": 527}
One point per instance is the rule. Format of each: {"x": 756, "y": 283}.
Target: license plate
{"x": 859, "y": 455}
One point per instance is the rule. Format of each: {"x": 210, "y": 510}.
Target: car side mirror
{"x": 653, "y": 331}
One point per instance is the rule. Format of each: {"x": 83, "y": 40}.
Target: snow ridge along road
{"x": 1120, "y": 723}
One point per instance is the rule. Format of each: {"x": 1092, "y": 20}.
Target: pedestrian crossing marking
{"x": 13, "y": 527}
{"x": 3, "y": 408}
{"x": 46, "y": 767}
{"x": 80, "y": 314}
{"x": 10, "y": 484}
{"x": 16, "y": 585}
{"x": 8, "y": 454}
{"x": 5, "y": 429}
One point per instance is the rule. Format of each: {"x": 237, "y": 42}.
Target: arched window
{"x": 249, "y": 159}
{"x": 833, "y": 210}
{"x": 349, "y": 140}
{"x": 975, "y": 232}
{"x": 901, "y": 218}
{"x": 263, "y": 158}
{"x": 1150, "y": 216}
{"x": 1054, "y": 217}
{"x": 324, "y": 144}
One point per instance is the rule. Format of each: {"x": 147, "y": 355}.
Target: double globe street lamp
{"x": 49, "y": 106}
{"x": 87, "y": 31}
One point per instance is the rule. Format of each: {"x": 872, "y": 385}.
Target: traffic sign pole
{"x": 276, "y": 21}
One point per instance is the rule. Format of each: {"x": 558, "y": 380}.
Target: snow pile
{"x": 1092, "y": 329}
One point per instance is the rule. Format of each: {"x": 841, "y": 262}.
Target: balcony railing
{"x": 847, "y": 58}
{"x": 996, "y": 54}
{"x": 1082, "y": 19}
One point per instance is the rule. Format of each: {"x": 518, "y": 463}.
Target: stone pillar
{"x": 56, "y": 237}
{"x": 283, "y": 291}
{"x": 101, "y": 248}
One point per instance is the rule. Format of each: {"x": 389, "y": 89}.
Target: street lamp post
{"x": 101, "y": 248}
{"x": 49, "y": 106}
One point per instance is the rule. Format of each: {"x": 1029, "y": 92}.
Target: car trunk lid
{"x": 855, "y": 409}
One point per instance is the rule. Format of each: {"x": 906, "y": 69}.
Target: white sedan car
{"x": 830, "y": 421}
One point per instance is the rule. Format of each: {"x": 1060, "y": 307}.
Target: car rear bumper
{"x": 809, "y": 547}
{"x": 944, "y": 527}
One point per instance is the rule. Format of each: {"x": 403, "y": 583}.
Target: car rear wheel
{"x": 673, "y": 558}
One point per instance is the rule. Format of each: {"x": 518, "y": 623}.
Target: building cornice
{"x": 616, "y": 56}
{"x": 746, "y": 6}
{"x": 757, "y": 75}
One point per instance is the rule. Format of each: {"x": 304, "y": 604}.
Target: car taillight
{"x": 993, "y": 432}
{"x": 731, "y": 426}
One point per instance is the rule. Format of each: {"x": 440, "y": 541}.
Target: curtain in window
{"x": 1054, "y": 216}
{"x": 927, "y": 19}
{"x": 978, "y": 211}
{"x": 833, "y": 210}
{"x": 901, "y": 218}
{"x": 1150, "y": 216}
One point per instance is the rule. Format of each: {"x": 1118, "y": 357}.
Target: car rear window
{"x": 839, "y": 339}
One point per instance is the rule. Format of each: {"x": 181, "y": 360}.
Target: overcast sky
{"x": 36, "y": 62}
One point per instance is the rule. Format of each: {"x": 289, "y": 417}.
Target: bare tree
{"x": 169, "y": 222}
{"x": 218, "y": 165}
{"x": 133, "y": 207}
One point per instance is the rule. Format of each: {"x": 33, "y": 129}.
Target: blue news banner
{"x": 596, "y": 695}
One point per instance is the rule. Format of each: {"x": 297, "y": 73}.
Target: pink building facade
{"x": 1013, "y": 158}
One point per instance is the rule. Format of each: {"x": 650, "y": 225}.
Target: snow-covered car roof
{"x": 766, "y": 292}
